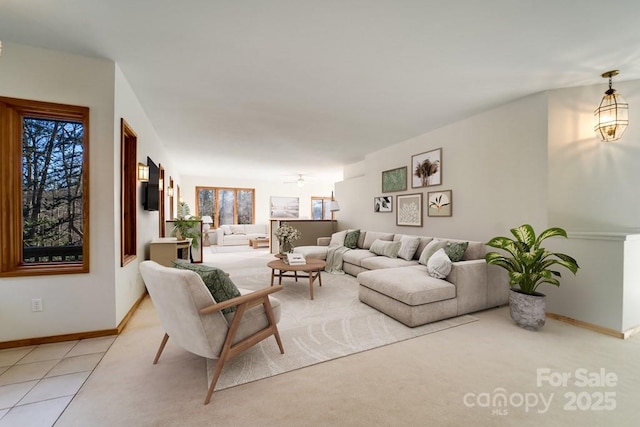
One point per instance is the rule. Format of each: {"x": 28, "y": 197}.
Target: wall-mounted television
{"x": 152, "y": 190}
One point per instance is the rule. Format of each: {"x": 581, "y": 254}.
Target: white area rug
{"x": 333, "y": 325}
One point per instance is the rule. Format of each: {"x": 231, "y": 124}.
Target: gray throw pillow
{"x": 455, "y": 250}
{"x": 351, "y": 239}
{"x": 430, "y": 249}
{"x": 219, "y": 284}
{"x": 384, "y": 248}
{"x": 408, "y": 247}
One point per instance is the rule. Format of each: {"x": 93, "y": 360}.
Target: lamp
{"x": 206, "y": 226}
{"x": 334, "y": 207}
{"x": 612, "y": 116}
{"x": 143, "y": 172}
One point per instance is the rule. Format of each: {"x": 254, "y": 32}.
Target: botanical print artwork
{"x": 394, "y": 180}
{"x": 426, "y": 169}
{"x": 409, "y": 210}
{"x": 383, "y": 204}
{"x": 440, "y": 203}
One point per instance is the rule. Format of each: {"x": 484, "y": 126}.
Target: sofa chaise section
{"x": 411, "y": 296}
{"x": 404, "y": 290}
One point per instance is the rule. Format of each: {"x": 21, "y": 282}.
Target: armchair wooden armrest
{"x": 253, "y": 298}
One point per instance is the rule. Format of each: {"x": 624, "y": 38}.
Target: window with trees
{"x": 321, "y": 208}
{"x": 44, "y": 188}
{"x": 226, "y": 205}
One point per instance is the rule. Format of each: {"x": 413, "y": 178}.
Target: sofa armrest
{"x": 323, "y": 241}
{"x": 470, "y": 280}
{"x": 219, "y": 236}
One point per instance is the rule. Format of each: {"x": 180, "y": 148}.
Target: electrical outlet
{"x": 36, "y": 304}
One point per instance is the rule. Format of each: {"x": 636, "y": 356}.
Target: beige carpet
{"x": 420, "y": 381}
{"x": 334, "y": 324}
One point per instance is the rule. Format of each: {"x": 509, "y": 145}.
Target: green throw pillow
{"x": 351, "y": 239}
{"x": 455, "y": 250}
{"x": 219, "y": 284}
{"x": 384, "y": 248}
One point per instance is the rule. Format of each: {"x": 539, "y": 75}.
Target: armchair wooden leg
{"x": 162, "y": 344}
{"x": 226, "y": 349}
{"x": 272, "y": 323}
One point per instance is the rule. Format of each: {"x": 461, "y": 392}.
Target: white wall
{"x": 75, "y": 302}
{"x": 495, "y": 164}
{"x": 593, "y": 192}
{"x": 593, "y": 185}
{"x": 129, "y": 285}
{"x": 535, "y": 160}
{"x": 264, "y": 190}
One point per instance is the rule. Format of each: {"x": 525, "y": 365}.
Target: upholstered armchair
{"x": 194, "y": 321}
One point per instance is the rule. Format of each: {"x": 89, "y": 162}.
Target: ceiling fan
{"x": 300, "y": 181}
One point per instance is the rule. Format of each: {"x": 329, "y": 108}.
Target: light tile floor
{"x": 38, "y": 382}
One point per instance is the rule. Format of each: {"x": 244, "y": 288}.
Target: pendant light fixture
{"x": 612, "y": 116}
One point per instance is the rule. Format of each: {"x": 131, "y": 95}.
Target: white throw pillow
{"x": 337, "y": 239}
{"x": 226, "y": 229}
{"x": 439, "y": 264}
{"x": 430, "y": 249}
{"x": 408, "y": 247}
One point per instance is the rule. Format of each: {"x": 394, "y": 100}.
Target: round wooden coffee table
{"x": 312, "y": 268}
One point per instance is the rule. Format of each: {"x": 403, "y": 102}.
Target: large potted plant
{"x": 529, "y": 266}
{"x": 185, "y": 226}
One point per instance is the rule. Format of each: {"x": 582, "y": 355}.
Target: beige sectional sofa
{"x": 404, "y": 289}
{"x": 235, "y": 235}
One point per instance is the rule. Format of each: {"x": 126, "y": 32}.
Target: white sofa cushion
{"x": 260, "y": 229}
{"x": 355, "y": 256}
{"x": 409, "y": 285}
{"x": 382, "y": 262}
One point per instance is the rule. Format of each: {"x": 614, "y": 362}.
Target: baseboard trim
{"x": 77, "y": 335}
{"x": 592, "y": 327}
{"x": 132, "y": 310}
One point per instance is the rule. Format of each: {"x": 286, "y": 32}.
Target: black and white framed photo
{"x": 409, "y": 210}
{"x": 383, "y": 204}
{"x": 426, "y": 169}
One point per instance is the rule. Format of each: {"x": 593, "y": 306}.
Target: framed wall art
{"x": 284, "y": 207}
{"x": 394, "y": 180}
{"x": 440, "y": 203}
{"x": 409, "y": 210}
{"x": 383, "y": 204}
{"x": 426, "y": 169}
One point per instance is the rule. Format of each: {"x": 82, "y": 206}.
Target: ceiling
{"x": 282, "y": 87}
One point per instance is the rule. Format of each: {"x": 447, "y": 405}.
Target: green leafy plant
{"x": 185, "y": 225}
{"x": 528, "y": 264}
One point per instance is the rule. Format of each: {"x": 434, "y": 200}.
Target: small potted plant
{"x": 529, "y": 266}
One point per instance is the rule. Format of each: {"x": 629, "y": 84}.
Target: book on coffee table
{"x": 295, "y": 259}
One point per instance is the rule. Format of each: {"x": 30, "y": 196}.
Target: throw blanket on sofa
{"x": 334, "y": 259}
